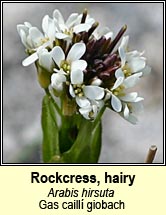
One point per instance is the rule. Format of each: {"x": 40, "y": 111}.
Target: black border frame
{"x": 102, "y": 164}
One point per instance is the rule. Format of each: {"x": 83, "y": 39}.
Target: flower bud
{"x": 44, "y": 77}
{"x": 96, "y": 82}
{"x": 68, "y": 106}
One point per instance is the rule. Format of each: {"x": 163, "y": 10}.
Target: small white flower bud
{"x": 96, "y": 82}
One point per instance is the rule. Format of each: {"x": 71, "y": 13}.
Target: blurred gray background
{"x": 22, "y": 95}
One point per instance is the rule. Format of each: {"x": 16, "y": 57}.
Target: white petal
{"x": 78, "y": 64}
{"x": 82, "y": 102}
{"x": 59, "y": 71}
{"x": 105, "y": 31}
{"x": 122, "y": 50}
{"x": 132, "y": 119}
{"x": 76, "y": 52}
{"x": 126, "y": 112}
{"x": 51, "y": 32}
{"x": 49, "y": 27}
{"x": 48, "y": 43}
{"x": 107, "y": 96}
{"x": 24, "y": 38}
{"x": 137, "y": 64}
{"x": 57, "y": 81}
{"x": 130, "y": 97}
{"x": 122, "y": 55}
{"x": 81, "y": 27}
{"x": 146, "y": 70}
{"x": 138, "y": 99}
{"x": 24, "y": 34}
{"x": 61, "y": 36}
{"x": 58, "y": 16}
{"x": 78, "y": 21}
{"x": 137, "y": 107}
{"x": 132, "y": 80}
{"x": 101, "y": 31}
{"x": 35, "y": 35}
{"x": 99, "y": 104}
{"x": 93, "y": 92}
{"x": 58, "y": 55}
{"x": 119, "y": 73}
{"x": 96, "y": 82}
{"x": 30, "y": 59}
{"x": 124, "y": 42}
{"x": 77, "y": 76}
{"x": 30, "y": 43}
{"x": 130, "y": 55}
{"x": 63, "y": 28}
{"x": 109, "y": 35}
{"x": 89, "y": 20}
{"x": 116, "y": 103}
{"x": 71, "y": 91}
{"x": 45, "y": 23}
{"x": 95, "y": 111}
{"x": 117, "y": 83}
{"x": 57, "y": 78}
{"x": 45, "y": 60}
{"x": 71, "y": 20}
{"x": 28, "y": 24}
{"x": 23, "y": 28}
{"x": 85, "y": 112}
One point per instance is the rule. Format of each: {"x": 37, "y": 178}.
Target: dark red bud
{"x": 84, "y": 15}
{"x": 110, "y": 60}
{"x": 117, "y": 38}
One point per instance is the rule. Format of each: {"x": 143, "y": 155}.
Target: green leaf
{"x": 86, "y": 148}
{"x": 50, "y": 130}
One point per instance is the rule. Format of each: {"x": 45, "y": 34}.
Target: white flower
{"x": 71, "y": 69}
{"x": 66, "y": 29}
{"x": 126, "y": 104}
{"x": 91, "y": 111}
{"x": 131, "y": 108}
{"x": 84, "y": 95}
{"x": 26, "y": 35}
{"x": 117, "y": 93}
{"x": 72, "y": 59}
{"x": 33, "y": 39}
{"x": 131, "y": 62}
{"x": 66, "y": 65}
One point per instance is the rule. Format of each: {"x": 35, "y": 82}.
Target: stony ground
{"x": 122, "y": 142}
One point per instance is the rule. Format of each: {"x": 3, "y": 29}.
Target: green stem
{"x": 50, "y": 130}
{"x": 97, "y": 120}
{"x": 53, "y": 101}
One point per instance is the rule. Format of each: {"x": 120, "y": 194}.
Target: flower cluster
{"x": 80, "y": 63}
